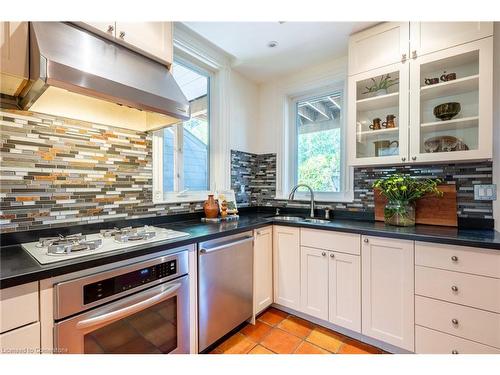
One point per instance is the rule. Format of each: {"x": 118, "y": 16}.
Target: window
{"x": 185, "y": 147}
{"x": 317, "y": 145}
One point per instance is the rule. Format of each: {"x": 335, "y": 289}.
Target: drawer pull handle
{"x": 323, "y": 253}
{"x": 454, "y": 351}
{"x": 332, "y": 255}
{"x": 454, "y": 258}
{"x": 366, "y": 240}
{"x": 455, "y": 321}
{"x": 454, "y": 288}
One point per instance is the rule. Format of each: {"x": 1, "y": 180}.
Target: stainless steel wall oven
{"x": 141, "y": 307}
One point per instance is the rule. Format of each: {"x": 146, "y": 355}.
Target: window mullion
{"x": 178, "y": 158}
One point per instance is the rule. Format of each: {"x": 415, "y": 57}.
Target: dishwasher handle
{"x": 208, "y": 250}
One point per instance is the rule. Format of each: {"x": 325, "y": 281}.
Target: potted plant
{"x": 402, "y": 192}
{"x": 380, "y": 87}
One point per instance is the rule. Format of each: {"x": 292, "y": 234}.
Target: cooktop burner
{"x": 59, "y": 248}
{"x": 129, "y": 234}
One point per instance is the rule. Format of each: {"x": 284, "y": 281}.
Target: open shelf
{"x": 377, "y": 102}
{"x": 457, "y": 86}
{"x": 374, "y": 133}
{"x": 454, "y": 124}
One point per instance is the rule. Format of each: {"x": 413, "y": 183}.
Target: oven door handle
{"x": 129, "y": 310}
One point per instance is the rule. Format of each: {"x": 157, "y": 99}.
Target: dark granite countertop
{"x": 18, "y": 267}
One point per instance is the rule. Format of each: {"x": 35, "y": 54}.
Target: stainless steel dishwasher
{"x": 225, "y": 286}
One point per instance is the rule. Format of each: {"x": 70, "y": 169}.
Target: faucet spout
{"x": 292, "y": 195}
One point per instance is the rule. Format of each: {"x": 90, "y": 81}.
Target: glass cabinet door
{"x": 378, "y": 116}
{"x": 451, "y": 102}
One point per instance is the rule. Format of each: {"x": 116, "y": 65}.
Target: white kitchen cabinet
{"x": 467, "y": 51}
{"x": 427, "y": 37}
{"x": 286, "y": 266}
{"x": 263, "y": 269}
{"x": 24, "y": 340}
{"x": 314, "y": 282}
{"x": 388, "y": 290}
{"x": 379, "y": 46}
{"x": 344, "y": 284}
{"x": 153, "y": 39}
{"x": 387, "y": 145}
{"x": 18, "y": 306}
{"x": 13, "y": 57}
{"x": 468, "y": 135}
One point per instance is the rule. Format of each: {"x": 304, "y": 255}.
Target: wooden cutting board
{"x": 431, "y": 210}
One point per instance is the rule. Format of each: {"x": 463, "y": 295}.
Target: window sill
{"x": 174, "y": 198}
{"x": 347, "y": 197}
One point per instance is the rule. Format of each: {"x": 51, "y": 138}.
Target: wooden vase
{"x": 211, "y": 207}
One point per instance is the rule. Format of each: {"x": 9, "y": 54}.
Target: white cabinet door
{"x": 286, "y": 266}
{"x": 107, "y": 28}
{"x": 314, "y": 282}
{"x": 344, "y": 282}
{"x": 153, "y": 38}
{"x": 13, "y": 56}
{"x": 24, "y": 340}
{"x": 263, "y": 269}
{"x": 388, "y": 290}
{"x": 467, "y": 135}
{"x": 18, "y": 306}
{"x": 378, "y": 46}
{"x": 384, "y": 145}
{"x": 427, "y": 37}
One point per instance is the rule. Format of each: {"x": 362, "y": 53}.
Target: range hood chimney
{"x": 76, "y": 74}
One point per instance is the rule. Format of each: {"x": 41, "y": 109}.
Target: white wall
{"x": 496, "y": 122}
{"x": 244, "y": 113}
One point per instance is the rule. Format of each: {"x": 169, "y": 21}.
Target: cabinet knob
{"x": 403, "y": 57}
{"x": 366, "y": 240}
{"x": 455, "y": 321}
{"x": 323, "y": 253}
{"x": 332, "y": 255}
{"x": 413, "y": 158}
{"x": 110, "y": 28}
{"x": 122, "y": 34}
{"x": 454, "y": 288}
{"x": 414, "y": 54}
{"x": 403, "y": 158}
{"x": 454, "y": 258}
{"x": 454, "y": 351}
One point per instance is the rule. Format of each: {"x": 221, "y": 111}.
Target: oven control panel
{"x": 120, "y": 283}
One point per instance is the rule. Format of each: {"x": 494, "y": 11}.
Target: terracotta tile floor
{"x": 277, "y": 332}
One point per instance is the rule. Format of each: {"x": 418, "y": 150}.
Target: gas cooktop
{"x": 59, "y": 248}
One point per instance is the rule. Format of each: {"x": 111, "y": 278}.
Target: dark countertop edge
{"x": 258, "y": 222}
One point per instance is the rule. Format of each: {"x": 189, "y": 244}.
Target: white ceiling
{"x": 301, "y": 44}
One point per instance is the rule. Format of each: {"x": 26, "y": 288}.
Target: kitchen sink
{"x": 289, "y": 218}
{"x": 316, "y": 221}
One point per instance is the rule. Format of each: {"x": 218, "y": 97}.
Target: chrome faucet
{"x": 292, "y": 195}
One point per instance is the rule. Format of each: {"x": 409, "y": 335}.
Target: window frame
{"x": 180, "y": 194}
{"x": 346, "y": 173}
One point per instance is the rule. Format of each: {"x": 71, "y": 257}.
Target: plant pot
{"x": 400, "y": 213}
{"x": 381, "y": 92}
{"x": 211, "y": 207}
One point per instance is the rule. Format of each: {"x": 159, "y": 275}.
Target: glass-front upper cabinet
{"x": 378, "y": 110}
{"x": 451, "y": 105}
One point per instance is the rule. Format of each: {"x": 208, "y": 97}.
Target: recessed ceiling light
{"x": 272, "y": 44}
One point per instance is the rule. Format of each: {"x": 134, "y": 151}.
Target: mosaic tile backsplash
{"x": 56, "y": 172}
{"x": 245, "y": 167}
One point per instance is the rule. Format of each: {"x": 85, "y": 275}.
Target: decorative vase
{"x": 381, "y": 92}
{"x": 211, "y": 207}
{"x": 400, "y": 213}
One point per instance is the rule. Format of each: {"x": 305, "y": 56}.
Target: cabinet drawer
{"x": 467, "y": 322}
{"x": 322, "y": 239}
{"x": 458, "y": 258}
{"x": 18, "y": 306}
{"x": 24, "y": 340}
{"x": 470, "y": 290}
{"x": 428, "y": 341}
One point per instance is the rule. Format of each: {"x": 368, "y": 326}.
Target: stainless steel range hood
{"x": 76, "y": 74}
